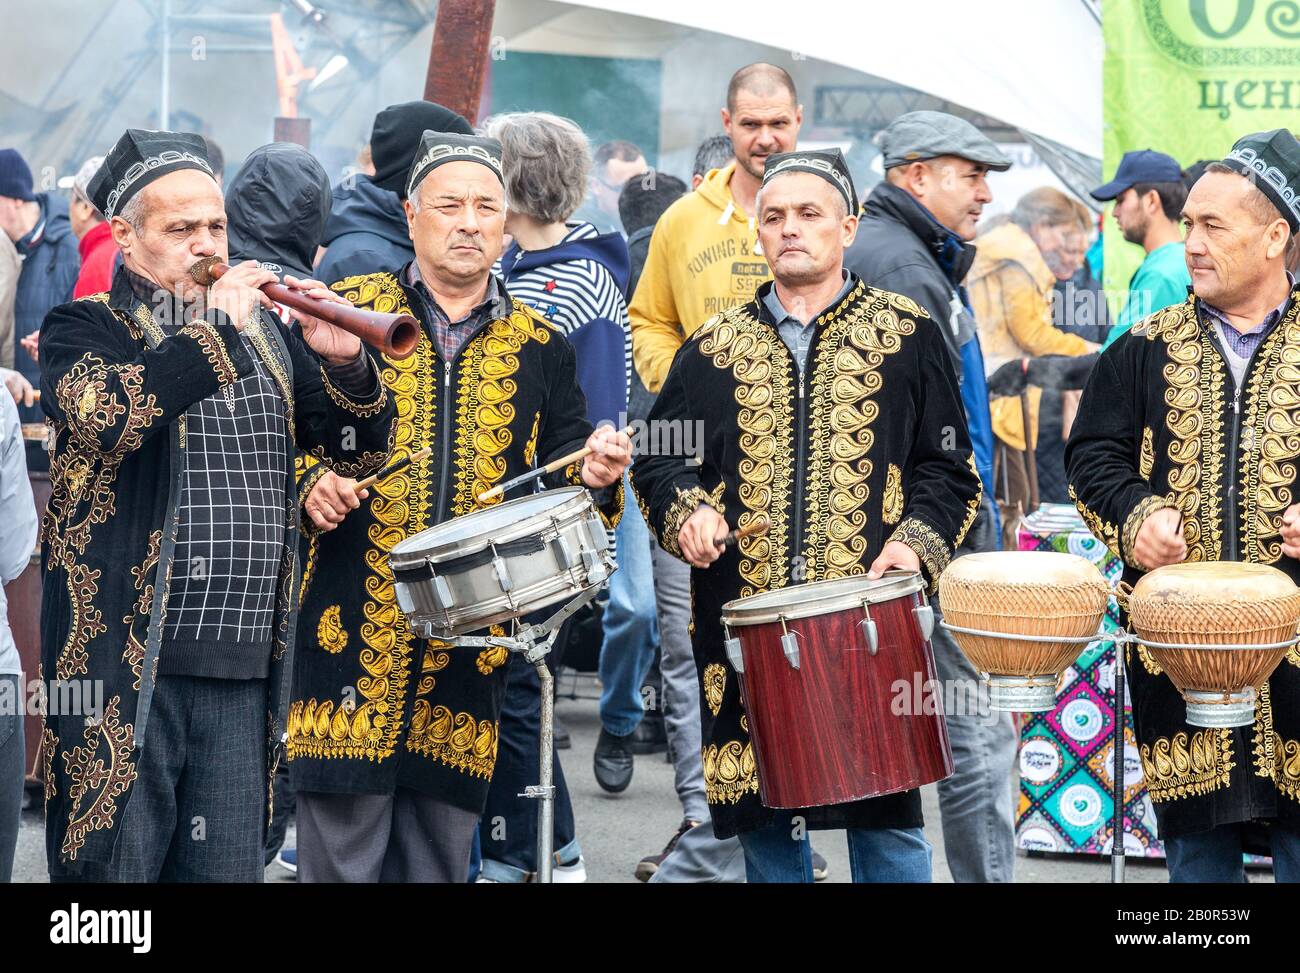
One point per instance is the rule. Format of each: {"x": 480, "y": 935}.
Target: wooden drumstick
{"x": 393, "y": 467}
{"x": 759, "y": 526}
{"x": 551, "y": 467}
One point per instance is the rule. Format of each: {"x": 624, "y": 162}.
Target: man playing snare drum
{"x": 1184, "y": 449}
{"x": 831, "y": 409}
{"x": 393, "y": 739}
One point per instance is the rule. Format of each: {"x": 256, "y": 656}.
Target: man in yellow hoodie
{"x": 704, "y": 254}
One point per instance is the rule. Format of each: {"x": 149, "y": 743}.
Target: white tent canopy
{"x": 1036, "y": 66}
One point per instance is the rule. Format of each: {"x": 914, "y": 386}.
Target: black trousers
{"x": 197, "y": 810}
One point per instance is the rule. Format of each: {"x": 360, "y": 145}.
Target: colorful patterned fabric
{"x": 1067, "y": 755}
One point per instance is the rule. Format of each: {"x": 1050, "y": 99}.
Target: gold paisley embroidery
{"x": 484, "y": 408}
{"x": 214, "y": 349}
{"x": 1265, "y": 739}
{"x": 1134, "y": 521}
{"x": 845, "y": 380}
{"x": 760, "y": 366}
{"x": 678, "y": 512}
{"x": 1104, "y": 531}
{"x": 928, "y": 545}
{"x": 1147, "y": 457}
{"x": 455, "y": 739}
{"x": 491, "y": 659}
{"x": 399, "y": 504}
{"x": 435, "y": 660}
{"x": 1148, "y": 660}
{"x": 1287, "y": 776}
{"x": 49, "y": 747}
{"x": 972, "y": 505}
{"x": 1194, "y": 378}
{"x": 330, "y": 633}
{"x": 729, "y": 772}
{"x": 1270, "y": 441}
{"x": 715, "y": 683}
{"x": 98, "y": 774}
{"x": 133, "y": 655}
{"x": 1178, "y": 767}
{"x": 84, "y": 395}
{"x": 340, "y": 398}
{"x": 892, "y": 511}
{"x": 530, "y": 446}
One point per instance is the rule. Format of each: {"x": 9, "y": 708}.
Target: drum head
{"x": 475, "y": 531}
{"x": 820, "y": 598}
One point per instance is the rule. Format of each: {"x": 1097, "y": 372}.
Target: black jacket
{"x": 897, "y": 249}
{"x": 116, "y": 391}
{"x": 1161, "y": 424}
{"x": 276, "y": 208}
{"x": 366, "y": 232}
{"x": 868, "y": 445}
{"x": 373, "y": 706}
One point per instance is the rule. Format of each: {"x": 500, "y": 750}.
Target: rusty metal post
{"x": 458, "y": 60}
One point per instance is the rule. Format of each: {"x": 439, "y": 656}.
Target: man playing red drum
{"x": 831, "y": 409}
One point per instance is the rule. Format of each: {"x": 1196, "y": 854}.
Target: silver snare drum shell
{"x": 500, "y": 563}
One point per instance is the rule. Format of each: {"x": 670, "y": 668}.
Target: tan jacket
{"x": 1010, "y": 288}
{"x": 703, "y": 259}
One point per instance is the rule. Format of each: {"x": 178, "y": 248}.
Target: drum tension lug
{"x": 734, "y": 654}
{"x": 869, "y": 632}
{"x": 925, "y": 618}
{"x": 790, "y": 645}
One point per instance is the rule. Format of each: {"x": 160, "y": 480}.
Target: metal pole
{"x": 164, "y": 99}
{"x": 546, "y": 807}
{"x": 1117, "y": 825}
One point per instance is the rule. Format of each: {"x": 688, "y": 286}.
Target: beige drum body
{"x": 1219, "y": 629}
{"x": 1027, "y": 615}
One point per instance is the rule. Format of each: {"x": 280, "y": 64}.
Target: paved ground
{"x": 615, "y": 831}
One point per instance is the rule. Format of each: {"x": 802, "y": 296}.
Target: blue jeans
{"x": 1216, "y": 855}
{"x": 13, "y": 761}
{"x": 775, "y": 854}
{"x": 508, "y": 828}
{"x": 631, "y": 630}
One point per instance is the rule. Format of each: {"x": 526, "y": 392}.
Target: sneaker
{"x": 570, "y": 874}
{"x": 287, "y": 858}
{"x": 820, "y": 869}
{"x": 612, "y": 762}
{"x": 647, "y": 866}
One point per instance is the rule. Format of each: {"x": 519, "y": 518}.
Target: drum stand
{"x": 534, "y": 642}
{"x": 1117, "y": 798}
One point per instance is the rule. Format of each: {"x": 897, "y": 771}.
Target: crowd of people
{"x": 890, "y": 382}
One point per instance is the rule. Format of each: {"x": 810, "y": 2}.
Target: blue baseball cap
{"x": 1145, "y": 165}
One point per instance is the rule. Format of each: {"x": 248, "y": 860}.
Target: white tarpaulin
{"x": 1035, "y": 65}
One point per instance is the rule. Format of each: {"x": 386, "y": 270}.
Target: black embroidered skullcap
{"x": 827, "y": 163}
{"x": 439, "y": 148}
{"x": 140, "y": 157}
{"x": 1271, "y": 160}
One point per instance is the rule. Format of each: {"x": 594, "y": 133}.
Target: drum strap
{"x": 425, "y": 570}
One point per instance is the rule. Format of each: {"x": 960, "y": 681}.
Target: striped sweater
{"x": 580, "y": 286}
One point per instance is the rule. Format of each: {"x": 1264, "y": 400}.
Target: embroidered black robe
{"x": 116, "y": 391}
{"x": 868, "y": 445}
{"x": 1162, "y": 425}
{"x": 373, "y": 705}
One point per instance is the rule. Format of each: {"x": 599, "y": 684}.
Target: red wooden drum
{"x": 838, "y": 681}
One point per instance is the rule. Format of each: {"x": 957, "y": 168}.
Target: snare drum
{"x": 838, "y": 682}
{"x": 501, "y": 563}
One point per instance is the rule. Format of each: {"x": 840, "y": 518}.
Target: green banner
{"x": 1190, "y": 77}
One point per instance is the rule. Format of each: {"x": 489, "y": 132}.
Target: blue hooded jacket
{"x": 580, "y": 286}
{"x": 366, "y": 232}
